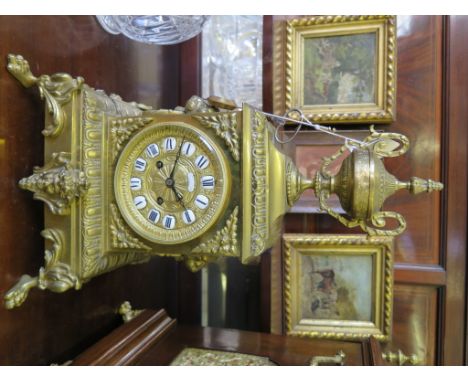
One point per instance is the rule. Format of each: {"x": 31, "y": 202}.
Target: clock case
{"x": 84, "y": 135}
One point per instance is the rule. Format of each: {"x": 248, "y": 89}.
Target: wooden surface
{"x": 430, "y": 259}
{"x": 154, "y": 339}
{"x": 53, "y": 327}
{"x": 129, "y": 342}
{"x": 282, "y": 350}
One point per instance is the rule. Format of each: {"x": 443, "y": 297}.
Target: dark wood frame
{"x": 453, "y": 329}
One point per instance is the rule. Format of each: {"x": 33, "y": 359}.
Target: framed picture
{"x": 338, "y": 286}
{"x": 341, "y": 69}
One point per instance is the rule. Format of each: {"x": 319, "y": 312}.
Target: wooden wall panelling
{"x": 415, "y": 322}
{"x": 419, "y": 108}
{"x": 52, "y": 327}
{"x": 453, "y": 318}
{"x": 430, "y": 257}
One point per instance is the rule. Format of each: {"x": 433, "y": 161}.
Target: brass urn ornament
{"x": 123, "y": 182}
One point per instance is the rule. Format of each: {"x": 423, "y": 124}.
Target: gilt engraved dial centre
{"x": 170, "y": 182}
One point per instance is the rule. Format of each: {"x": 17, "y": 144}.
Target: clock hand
{"x": 178, "y": 196}
{"x": 171, "y": 176}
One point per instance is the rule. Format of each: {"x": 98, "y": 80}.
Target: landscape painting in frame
{"x": 340, "y": 69}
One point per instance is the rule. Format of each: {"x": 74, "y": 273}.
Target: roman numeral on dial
{"x": 135, "y": 184}
{"x": 140, "y": 202}
{"x": 188, "y": 216}
{"x": 188, "y": 148}
{"x": 202, "y": 162}
{"x": 201, "y": 201}
{"x": 154, "y": 216}
{"x": 190, "y": 182}
{"x": 152, "y": 150}
{"x": 140, "y": 164}
{"x": 208, "y": 182}
{"x": 169, "y": 144}
{"x": 169, "y": 222}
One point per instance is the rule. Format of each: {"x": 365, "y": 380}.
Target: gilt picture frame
{"x": 338, "y": 286}
{"x": 341, "y": 69}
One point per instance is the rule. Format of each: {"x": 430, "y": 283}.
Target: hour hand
{"x": 178, "y": 196}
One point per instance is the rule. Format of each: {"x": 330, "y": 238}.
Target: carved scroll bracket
{"x": 55, "y": 275}
{"x": 57, "y": 183}
{"x": 57, "y": 90}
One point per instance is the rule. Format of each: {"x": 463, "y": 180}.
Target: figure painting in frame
{"x": 337, "y": 287}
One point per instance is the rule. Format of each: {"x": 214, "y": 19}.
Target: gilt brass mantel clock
{"x": 123, "y": 182}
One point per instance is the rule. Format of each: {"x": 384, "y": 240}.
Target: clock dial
{"x": 171, "y": 183}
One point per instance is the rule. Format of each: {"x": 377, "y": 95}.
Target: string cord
{"x": 304, "y": 121}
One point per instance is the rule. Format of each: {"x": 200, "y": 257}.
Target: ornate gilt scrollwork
{"x": 196, "y": 262}
{"x": 56, "y": 89}
{"x": 225, "y": 240}
{"x": 122, "y": 129}
{"x": 57, "y": 184}
{"x": 127, "y": 312}
{"x": 55, "y": 276}
{"x": 122, "y": 237}
{"x": 225, "y": 126}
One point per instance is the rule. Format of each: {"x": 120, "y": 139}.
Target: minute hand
{"x": 177, "y": 159}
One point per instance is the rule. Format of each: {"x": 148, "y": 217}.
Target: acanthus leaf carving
{"x": 225, "y": 127}
{"x": 224, "y": 243}
{"x": 123, "y": 128}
